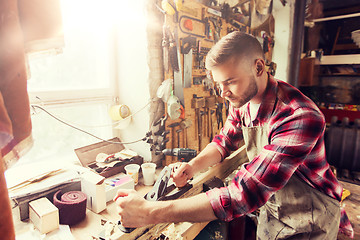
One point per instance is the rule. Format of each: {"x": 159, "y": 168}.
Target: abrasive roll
{"x": 71, "y": 205}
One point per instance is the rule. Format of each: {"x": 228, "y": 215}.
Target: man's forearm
{"x": 209, "y": 156}
{"x": 193, "y": 209}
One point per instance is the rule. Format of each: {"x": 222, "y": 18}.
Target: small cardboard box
{"x": 112, "y": 185}
{"x": 44, "y": 215}
{"x": 87, "y": 156}
{"x": 92, "y": 184}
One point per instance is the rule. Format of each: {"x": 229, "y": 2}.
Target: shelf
{"x": 340, "y": 59}
{"x": 329, "y": 113}
{"x": 340, "y": 75}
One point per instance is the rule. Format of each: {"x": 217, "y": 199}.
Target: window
{"x": 79, "y": 84}
{"x": 85, "y": 64}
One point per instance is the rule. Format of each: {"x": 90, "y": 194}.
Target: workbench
{"x": 91, "y": 225}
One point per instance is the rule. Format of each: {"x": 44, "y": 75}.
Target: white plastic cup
{"x": 148, "y": 171}
{"x": 132, "y": 170}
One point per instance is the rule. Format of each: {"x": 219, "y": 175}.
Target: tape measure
{"x": 119, "y": 112}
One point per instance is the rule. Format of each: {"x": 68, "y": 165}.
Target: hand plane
{"x": 160, "y": 192}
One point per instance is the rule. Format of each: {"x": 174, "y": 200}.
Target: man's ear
{"x": 260, "y": 66}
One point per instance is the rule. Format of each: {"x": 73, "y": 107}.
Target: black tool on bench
{"x": 159, "y": 192}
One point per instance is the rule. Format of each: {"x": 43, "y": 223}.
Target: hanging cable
{"x": 104, "y": 125}
{"x": 81, "y": 130}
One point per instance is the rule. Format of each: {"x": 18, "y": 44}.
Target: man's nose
{"x": 224, "y": 92}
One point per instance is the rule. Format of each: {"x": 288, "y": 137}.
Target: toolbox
{"x": 87, "y": 156}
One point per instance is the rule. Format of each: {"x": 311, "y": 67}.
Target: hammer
{"x": 172, "y": 126}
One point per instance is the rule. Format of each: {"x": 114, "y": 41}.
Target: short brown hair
{"x": 236, "y": 45}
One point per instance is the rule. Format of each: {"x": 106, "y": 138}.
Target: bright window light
{"x": 79, "y": 84}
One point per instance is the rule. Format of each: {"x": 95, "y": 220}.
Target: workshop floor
{"x": 351, "y": 205}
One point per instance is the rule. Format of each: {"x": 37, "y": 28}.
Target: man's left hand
{"x": 133, "y": 209}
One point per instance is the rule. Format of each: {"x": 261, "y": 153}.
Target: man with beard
{"x": 287, "y": 177}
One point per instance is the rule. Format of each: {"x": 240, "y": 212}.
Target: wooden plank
{"x": 184, "y": 231}
{"x": 193, "y": 230}
{"x": 221, "y": 170}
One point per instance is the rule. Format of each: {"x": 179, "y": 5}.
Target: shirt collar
{"x": 269, "y": 100}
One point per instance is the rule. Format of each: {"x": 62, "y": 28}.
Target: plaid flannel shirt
{"x": 296, "y": 146}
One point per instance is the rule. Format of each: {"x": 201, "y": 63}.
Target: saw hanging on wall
{"x": 186, "y": 48}
{"x": 192, "y": 26}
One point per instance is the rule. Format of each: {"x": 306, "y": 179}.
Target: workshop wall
{"x": 138, "y": 86}
{"x": 194, "y": 113}
{"x": 132, "y": 73}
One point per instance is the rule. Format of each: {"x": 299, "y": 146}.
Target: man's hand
{"x": 133, "y": 209}
{"x": 184, "y": 171}
{"x": 181, "y": 173}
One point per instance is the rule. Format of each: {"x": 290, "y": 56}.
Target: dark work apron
{"x": 297, "y": 211}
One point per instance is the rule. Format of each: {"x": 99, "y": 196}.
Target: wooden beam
{"x": 337, "y": 17}
{"x": 335, "y": 41}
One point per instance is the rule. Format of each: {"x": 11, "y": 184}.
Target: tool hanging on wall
{"x": 185, "y": 124}
{"x": 188, "y": 24}
{"x": 186, "y": 48}
{"x": 173, "y": 126}
{"x": 187, "y": 44}
{"x": 197, "y": 103}
{"x": 178, "y": 80}
{"x": 185, "y": 22}
{"x": 166, "y": 44}
{"x": 217, "y": 25}
{"x": 158, "y": 134}
{"x": 208, "y": 32}
{"x": 173, "y": 53}
{"x": 172, "y": 8}
{"x": 178, "y": 136}
{"x": 211, "y": 126}
{"x": 219, "y": 117}
{"x": 200, "y": 56}
{"x": 174, "y": 107}
{"x": 201, "y": 127}
{"x": 168, "y": 7}
{"x": 209, "y": 104}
